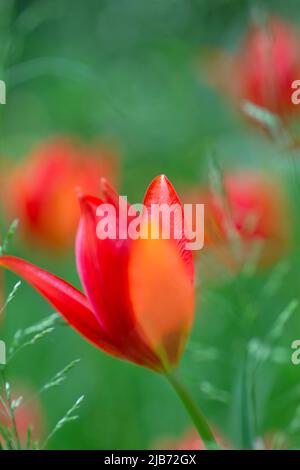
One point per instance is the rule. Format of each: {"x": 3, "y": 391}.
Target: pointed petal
{"x": 108, "y": 193}
{"x": 161, "y": 191}
{"x": 70, "y": 302}
{"x": 110, "y": 196}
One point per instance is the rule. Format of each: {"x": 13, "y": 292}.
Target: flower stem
{"x": 194, "y": 412}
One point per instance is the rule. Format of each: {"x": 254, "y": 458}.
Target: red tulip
{"x": 252, "y": 211}
{"x": 40, "y": 191}
{"x": 263, "y": 69}
{"x": 139, "y": 295}
{"x": 28, "y": 414}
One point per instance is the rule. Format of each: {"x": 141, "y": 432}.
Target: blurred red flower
{"x": 29, "y": 414}
{"x": 263, "y": 69}
{"x": 139, "y": 299}
{"x": 250, "y": 212}
{"x": 189, "y": 441}
{"x": 41, "y": 190}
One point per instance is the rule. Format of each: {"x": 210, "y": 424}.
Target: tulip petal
{"x": 103, "y": 269}
{"x": 161, "y": 191}
{"x": 162, "y": 296}
{"x": 70, "y": 302}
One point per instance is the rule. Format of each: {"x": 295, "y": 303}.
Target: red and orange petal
{"x": 161, "y": 191}
{"x": 122, "y": 298}
{"x": 103, "y": 270}
{"x": 67, "y": 300}
{"x": 162, "y": 297}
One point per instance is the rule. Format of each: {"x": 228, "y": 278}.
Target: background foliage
{"x": 126, "y": 71}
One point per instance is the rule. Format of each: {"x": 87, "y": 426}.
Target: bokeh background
{"x": 126, "y": 72}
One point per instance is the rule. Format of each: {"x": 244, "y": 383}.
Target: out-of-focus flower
{"x": 139, "y": 300}
{"x": 190, "y": 440}
{"x": 249, "y": 217}
{"x": 28, "y": 415}
{"x": 262, "y": 70}
{"x": 41, "y": 190}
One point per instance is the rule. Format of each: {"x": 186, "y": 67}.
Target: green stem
{"x": 194, "y": 412}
